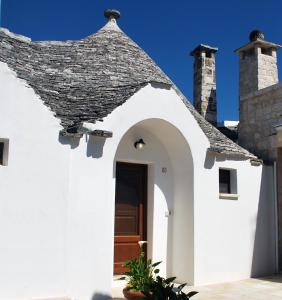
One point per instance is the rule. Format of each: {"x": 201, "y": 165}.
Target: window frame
{"x": 4, "y": 152}
{"x": 232, "y": 189}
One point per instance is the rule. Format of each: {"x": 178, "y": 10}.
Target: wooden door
{"x": 130, "y": 212}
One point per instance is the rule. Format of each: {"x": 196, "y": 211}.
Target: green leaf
{"x": 156, "y": 264}
{"x": 191, "y": 294}
{"x": 180, "y": 287}
{"x": 169, "y": 280}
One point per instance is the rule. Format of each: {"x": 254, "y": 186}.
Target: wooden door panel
{"x": 126, "y": 225}
{"x": 130, "y": 205}
{"x": 133, "y": 238}
{"x": 132, "y": 251}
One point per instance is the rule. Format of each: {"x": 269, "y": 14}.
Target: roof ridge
{"x": 15, "y": 36}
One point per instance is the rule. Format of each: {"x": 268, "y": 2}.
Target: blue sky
{"x": 166, "y": 30}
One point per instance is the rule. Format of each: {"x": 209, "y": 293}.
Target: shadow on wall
{"x": 264, "y": 261}
{"x": 98, "y": 296}
{"x": 164, "y": 183}
{"x": 66, "y": 140}
{"x": 95, "y": 145}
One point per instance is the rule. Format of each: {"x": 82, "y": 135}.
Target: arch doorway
{"x": 163, "y": 213}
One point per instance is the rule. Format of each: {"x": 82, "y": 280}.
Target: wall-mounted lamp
{"x": 140, "y": 144}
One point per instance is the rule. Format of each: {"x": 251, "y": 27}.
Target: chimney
{"x": 205, "y": 82}
{"x": 258, "y": 64}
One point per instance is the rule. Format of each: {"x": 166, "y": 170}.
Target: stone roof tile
{"x": 85, "y": 80}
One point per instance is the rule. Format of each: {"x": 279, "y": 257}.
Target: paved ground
{"x": 269, "y": 288}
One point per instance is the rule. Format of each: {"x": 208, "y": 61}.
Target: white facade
{"x": 58, "y": 197}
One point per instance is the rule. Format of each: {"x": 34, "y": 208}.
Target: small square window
{"x": 227, "y": 182}
{"x": 1, "y": 153}
{"x": 224, "y": 181}
{"x": 4, "y": 148}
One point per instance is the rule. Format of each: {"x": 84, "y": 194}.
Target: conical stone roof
{"x": 85, "y": 80}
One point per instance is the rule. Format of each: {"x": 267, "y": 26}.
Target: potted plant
{"x": 140, "y": 276}
{"x": 164, "y": 289}
{"x": 144, "y": 283}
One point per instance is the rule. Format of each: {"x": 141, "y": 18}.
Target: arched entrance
{"x": 169, "y": 213}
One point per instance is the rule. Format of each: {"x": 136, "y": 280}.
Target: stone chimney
{"x": 205, "y": 82}
{"x": 258, "y": 64}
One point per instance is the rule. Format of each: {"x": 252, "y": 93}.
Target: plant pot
{"x": 132, "y": 295}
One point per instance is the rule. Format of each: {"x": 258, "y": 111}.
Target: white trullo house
{"x": 99, "y": 150}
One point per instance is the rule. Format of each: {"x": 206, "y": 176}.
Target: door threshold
{"x": 117, "y": 282}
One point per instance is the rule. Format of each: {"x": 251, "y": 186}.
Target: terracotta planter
{"x": 132, "y": 295}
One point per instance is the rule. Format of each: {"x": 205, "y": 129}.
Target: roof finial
{"x": 255, "y": 35}
{"x": 112, "y": 14}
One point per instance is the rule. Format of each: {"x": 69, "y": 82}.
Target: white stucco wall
{"x": 234, "y": 239}
{"x": 57, "y": 198}
{"x": 93, "y": 166}
{"x": 33, "y": 194}
{"x": 224, "y": 231}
